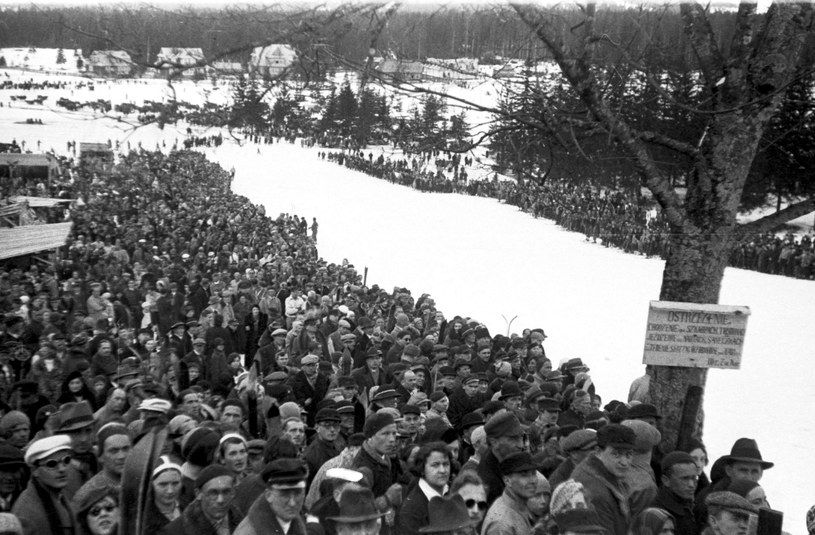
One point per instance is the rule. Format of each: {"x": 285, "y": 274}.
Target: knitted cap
{"x": 567, "y": 495}
{"x": 377, "y": 422}
{"x": 11, "y": 420}
{"x": 10, "y": 524}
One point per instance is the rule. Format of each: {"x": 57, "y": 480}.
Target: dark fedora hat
{"x": 11, "y": 458}
{"x": 356, "y": 505}
{"x": 532, "y": 394}
{"x": 447, "y": 514}
{"x": 74, "y": 416}
{"x": 576, "y": 364}
{"x": 746, "y": 450}
{"x": 510, "y": 389}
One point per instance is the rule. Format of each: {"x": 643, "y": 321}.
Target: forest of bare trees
{"x": 479, "y": 31}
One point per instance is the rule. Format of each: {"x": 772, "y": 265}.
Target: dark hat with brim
{"x": 548, "y": 404}
{"x": 643, "y": 410}
{"x": 576, "y": 364}
{"x": 285, "y": 473}
{"x": 356, "y": 505}
{"x": 517, "y": 462}
{"x": 510, "y": 389}
{"x": 11, "y": 458}
{"x": 746, "y": 450}
{"x": 385, "y": 394}
{"x": 447, "y": 515}
{"x": 74, "y": 416}
{"x": 471, "y": 419}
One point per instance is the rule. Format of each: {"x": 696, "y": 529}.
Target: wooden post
{"x": 690, "y": 412}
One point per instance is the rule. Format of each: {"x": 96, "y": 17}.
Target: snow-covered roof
{"x": 110, "y": 58}
{"x": 275, "y": 54}
{"x": 180, "y": 56}
{"x": 397, "y": 66}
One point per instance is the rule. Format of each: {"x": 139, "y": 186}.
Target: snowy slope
{"x": 42, "y": 59}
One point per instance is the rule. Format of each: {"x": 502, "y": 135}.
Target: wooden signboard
{"x": 695, "y": 335}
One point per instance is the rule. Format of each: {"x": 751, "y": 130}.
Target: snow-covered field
{"x": 479, "y": 258}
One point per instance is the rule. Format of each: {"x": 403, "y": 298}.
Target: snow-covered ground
{"x": 479, "y": 258}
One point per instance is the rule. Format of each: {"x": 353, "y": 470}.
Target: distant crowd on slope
{"x": 622, "y": 219}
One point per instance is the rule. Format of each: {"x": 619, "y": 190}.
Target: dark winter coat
{"x": 262, "y": 520}
{"x": 385, "y": 472}
{"x": 37, "y": 516}
{"x": 193, "y": 522}
{"x": 413, "y": 514}
{"x": 608, "y": 494}
{"x": 303, "y": 391}
{"x": 317, "y": 453}
{"x": 490, "y": 474}
{"x": 682, "y": 510}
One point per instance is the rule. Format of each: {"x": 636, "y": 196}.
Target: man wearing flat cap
{"x": 309, "y": 386}
{"x": 212, "y": 512}
{"x": 603, "y": 474}
{"x": 277, "y": 510}
{"x": 728, "y": 514}
{"x": 505, "y": 437}
{"x": 43, "y": 506}
{"x": 324, "y": 446}
{"x": 577, "y": 446}
{"x": 744, "y": 463}
{"x": 371, "y": 374}
{"x": 509, "y": 514}
{"x": 464, "y": 399}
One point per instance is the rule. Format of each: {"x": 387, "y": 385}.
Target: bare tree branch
{"x": 580, "y": 77}
{"x": 773, "y": 221}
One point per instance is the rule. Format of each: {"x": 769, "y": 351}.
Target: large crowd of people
{"x": 623, "y": 219}
{"x": 281, "y": 395}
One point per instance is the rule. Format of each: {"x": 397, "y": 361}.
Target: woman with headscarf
{"x": 164, "y": 507}
{"x": 75, "y": 389}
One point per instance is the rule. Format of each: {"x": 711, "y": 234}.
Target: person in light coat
{"x": 509, "y": 514}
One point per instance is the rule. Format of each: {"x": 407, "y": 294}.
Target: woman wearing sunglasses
{"x": 42, "y": 504}
{"x": 471, "y": 488}
{"x": 98, "y": 511}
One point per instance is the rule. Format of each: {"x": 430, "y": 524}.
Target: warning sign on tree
{"x": 695, "y": 335}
